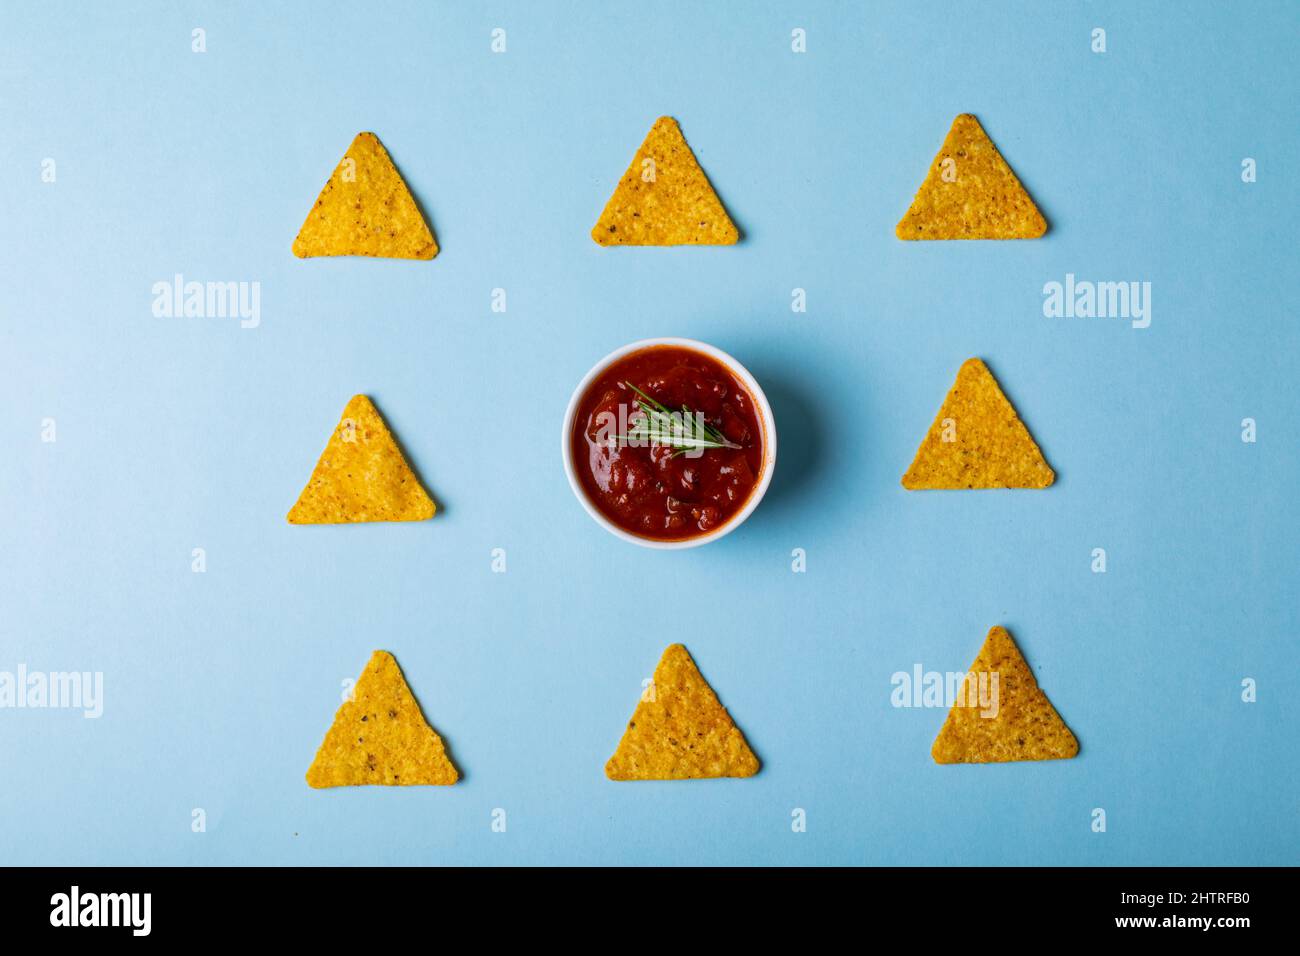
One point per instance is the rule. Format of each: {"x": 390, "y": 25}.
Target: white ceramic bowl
{"x": 764, "y": 415}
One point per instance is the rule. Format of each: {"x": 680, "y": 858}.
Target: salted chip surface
{"x": 664, "y": 198}
{"x": 679, "y": 731}
{"x": 977, "y": 440}
{"x": 361, "y": 475}
{"x": 381, "y": 737}
{"x": 1024, "y": 725}
{"x": 971, "y": 193}
{"x": 365, "y": 209}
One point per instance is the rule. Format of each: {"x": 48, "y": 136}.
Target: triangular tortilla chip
{"x": 679, "y": 731}
{"x": 664, "y": 198}
{"x": 1022, "y": 726}
{"x": 381, "y": 737}
{"x": 971, "y": 193}
{"x": 977, "y": 440}
{"x": 361, "y": 475}
{"x": 365, "y": 210}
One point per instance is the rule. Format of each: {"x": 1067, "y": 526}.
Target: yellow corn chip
{"x": 361, "y": 475}
{"x": 365, "y": 210}
{"x": 977, "y": 440}
{"x": 679, "y": 731}
{"x": 1022, "y": 723}
{"x": 380, "y": 736}
{"x": 664, "y": 198}
{"x": 971, "y": 193}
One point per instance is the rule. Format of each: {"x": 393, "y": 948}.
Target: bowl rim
{"x": 765, "y": 417}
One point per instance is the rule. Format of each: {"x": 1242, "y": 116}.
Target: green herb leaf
{"x": 684, "y": 430}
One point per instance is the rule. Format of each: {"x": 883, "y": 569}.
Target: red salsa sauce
{"x": 646, "y": 488}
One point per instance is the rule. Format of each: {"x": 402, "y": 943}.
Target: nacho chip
{"x": 381, "y": 737}
{"x": 679, "y": 731}
{"x": 361, "y": 475}
{"x": 365, "y": 210}
{"x": 977, "y": 441}
{"x": 971, "y": 193}
{"x": 1022, "y": 726}
{"x": 664, "y": 198}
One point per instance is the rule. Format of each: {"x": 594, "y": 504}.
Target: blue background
{"x": 174, "y": 434}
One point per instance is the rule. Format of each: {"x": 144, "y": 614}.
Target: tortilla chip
{"x": 365, "y": 210}
{"x": 971, "y": 193}
{"x": 361, "y": 475}
{"x": 664, "y": 198}
{"x": 986, "y": 446}
{"x": 679, "y": 731}
{"x": 381, "y": 737}
{"x": 1025, "y": 726}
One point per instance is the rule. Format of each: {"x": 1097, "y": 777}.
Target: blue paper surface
{"x": 175, "y": 434}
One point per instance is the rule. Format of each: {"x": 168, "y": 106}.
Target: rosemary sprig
{"x": 685, "y": 430}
